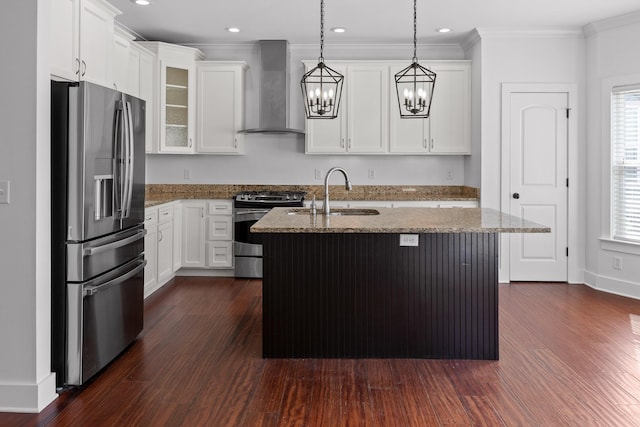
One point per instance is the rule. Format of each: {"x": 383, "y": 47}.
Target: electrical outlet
{"x": 187, "y": 174}
{"x": 4, "y": 192}
{"x": 372, "y": 173}
{"x": 318, "y": 174}
{"x": 450, "y": 174}
{"x": 409, "y": 240}
{"x": 617, "y": 263}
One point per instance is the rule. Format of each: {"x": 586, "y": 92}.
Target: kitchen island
{"x": 386, "y": 283}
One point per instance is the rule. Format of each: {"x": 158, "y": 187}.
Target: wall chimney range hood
{"x": 273, "y": 116}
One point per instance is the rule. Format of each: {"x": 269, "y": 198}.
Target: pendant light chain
{"x": 415, "y": 31}
{"x": 321, "y": 59}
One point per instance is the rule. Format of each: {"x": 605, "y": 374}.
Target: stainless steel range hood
{"x": 274, "y": 89}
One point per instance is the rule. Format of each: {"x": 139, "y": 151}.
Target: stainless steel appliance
{"x": 97, "y": 232}
{"x": 249, "y": 207}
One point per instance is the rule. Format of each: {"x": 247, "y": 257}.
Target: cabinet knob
{"x": 516, "y": 195}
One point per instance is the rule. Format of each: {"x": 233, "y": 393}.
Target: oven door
{"x": 247, "y": 243}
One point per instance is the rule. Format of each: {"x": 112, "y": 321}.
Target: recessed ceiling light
{"x": 338, "y": 29}
{"x": 443, "y": 30}
{"x": 141, "y": 2}
{"x": 233, "y": 30}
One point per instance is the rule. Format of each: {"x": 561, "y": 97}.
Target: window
{"x": 625, "y": 163}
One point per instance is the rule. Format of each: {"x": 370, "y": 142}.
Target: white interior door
{"x": 538, "y": 184}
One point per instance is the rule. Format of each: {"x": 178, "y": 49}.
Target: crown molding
{"x": 571, "y": 32}
{"x": 470, "y": 40}
{"x": 611, "y": 23}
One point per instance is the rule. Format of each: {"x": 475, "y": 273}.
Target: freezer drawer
{"x": 104, "y": 316}
{"x": 90, "y": 259}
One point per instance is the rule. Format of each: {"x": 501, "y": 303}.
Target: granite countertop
{"x": 156, "y": 194}
{"x": 398, "y": 220}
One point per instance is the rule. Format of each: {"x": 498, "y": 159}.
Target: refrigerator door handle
{"x": 92, "y": 290}
{"x": 119, "y": 158}
{"x": 128, "y": 193}
{"x": 114, "y": 245}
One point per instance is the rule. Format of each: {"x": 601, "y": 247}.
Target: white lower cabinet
{"x": 177, "y": 236}
{"x": 220, "y": 234}
{"x": 165, "y": 245}
{"x": 158, "y": 247}
{"x": 207, "y": 234}
{"x": 151, "y": 251}
{"x": 193, "y": 234}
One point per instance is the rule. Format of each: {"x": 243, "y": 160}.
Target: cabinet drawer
{"x": 150, "y": 218}
{"x": 219, "y": 227}
{"x": 219, "y": 254}
{"x": 165, "y": 214}
{"x": 220, "y": 207}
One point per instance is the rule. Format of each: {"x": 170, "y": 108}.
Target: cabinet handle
{"x": 201, "y": 212}
{"x": 159, "y": 236}
{"x": 425, "y": 142}
{"x": 190, "y": 142}
{"x": 84, "y": 64}
{"x": 235, "y": 142}
{"x": 115, "y": 86}
{"x": 78, "y": 64}
{"x": 165, "y": 213}
{"x": 349, "y": 143}
{"x": 432, "y": 143}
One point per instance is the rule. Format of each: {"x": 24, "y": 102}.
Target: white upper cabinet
{"x": 328, "y": 135}
{"x": 362, "y": 122}
{"x": 369, "y": 121}
{"x": 367, "y": 109}
{"x": 451, "y": 109}
{"x": 82, "y": 34}
{"x": 175, "y": 91}
{"x": 121, "y": 57}
{"x": 140, "y": 84}
{"x": 220, "y": 107}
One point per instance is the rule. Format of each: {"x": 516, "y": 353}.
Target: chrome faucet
{"x": 347, "y": 185}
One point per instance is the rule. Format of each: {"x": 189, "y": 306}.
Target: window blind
{"x": 625, "y": 163}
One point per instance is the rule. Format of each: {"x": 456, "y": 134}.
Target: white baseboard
{"x": 612, "y": 286}
{"x": 28, "y": 398}
{"x": 204, "y": 272}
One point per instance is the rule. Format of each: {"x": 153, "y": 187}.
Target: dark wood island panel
{"x": 362, "y": 295}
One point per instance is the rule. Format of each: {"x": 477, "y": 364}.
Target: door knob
{"x": 516, "y": 195}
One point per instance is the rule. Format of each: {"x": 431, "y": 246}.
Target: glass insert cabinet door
{"x": 177, "y": 108}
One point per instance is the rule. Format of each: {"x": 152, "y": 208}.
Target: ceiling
{"x": 366, "y": 21}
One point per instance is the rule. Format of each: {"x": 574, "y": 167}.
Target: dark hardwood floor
{"x": 569, "y": 356}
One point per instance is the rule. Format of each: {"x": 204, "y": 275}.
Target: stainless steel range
{"x": 249, "y": 207}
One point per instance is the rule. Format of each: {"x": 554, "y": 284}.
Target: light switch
{"x": 4, "y": 192}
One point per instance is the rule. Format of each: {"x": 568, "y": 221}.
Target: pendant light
{"x": 414, "y": 84}
{"x": 322, "y": 86}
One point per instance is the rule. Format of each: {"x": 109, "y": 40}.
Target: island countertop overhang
{"x": 399, "y": 220}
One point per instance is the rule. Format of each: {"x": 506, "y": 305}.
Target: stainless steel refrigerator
{"x": 97, "y": 238}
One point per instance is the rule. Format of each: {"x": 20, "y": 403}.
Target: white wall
{"x": 611, "y": 57}
{"x": 280, "y": 159}
{"x": 531, "y": 57}
{"x": 26, "y": 383}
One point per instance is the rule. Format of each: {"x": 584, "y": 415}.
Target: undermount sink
{"x": 338, "y": 212}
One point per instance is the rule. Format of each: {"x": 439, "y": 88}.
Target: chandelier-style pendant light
{"x": 322, "y": 86}
{"x": 414, "y": 84}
